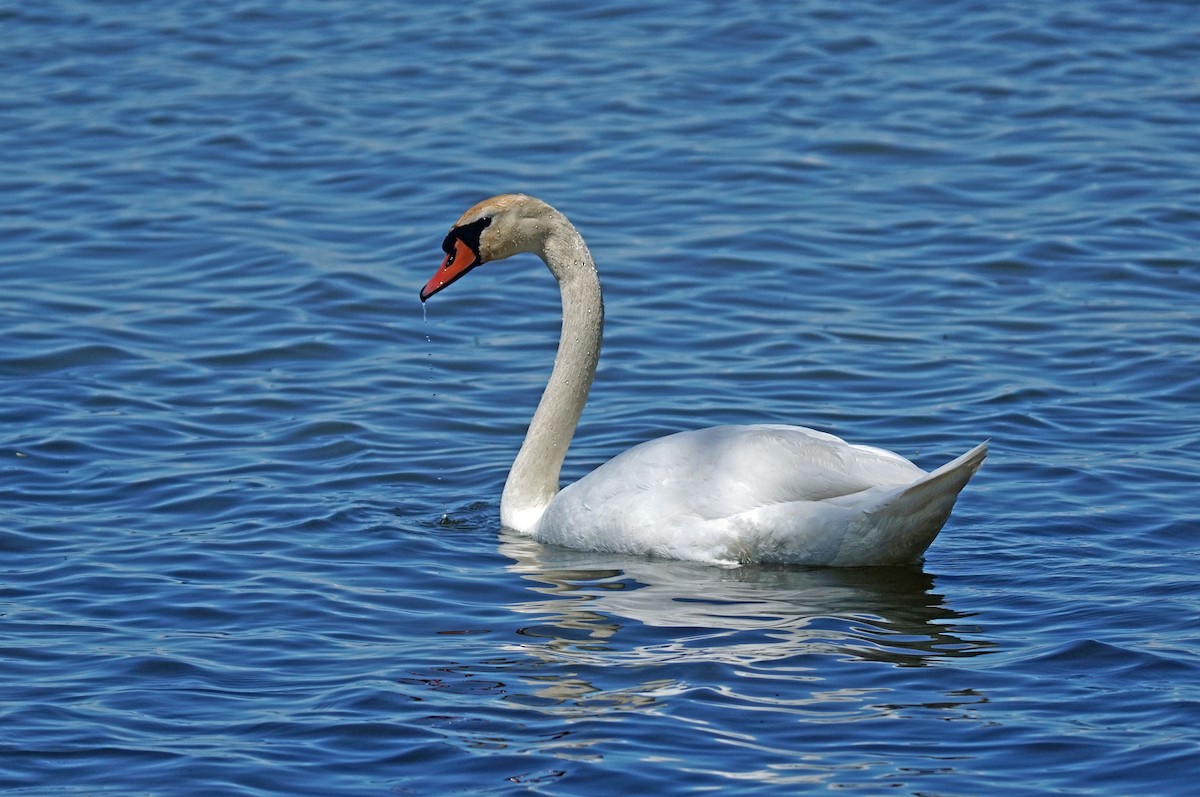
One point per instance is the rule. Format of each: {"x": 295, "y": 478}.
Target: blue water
{"x": 249, "y": 537}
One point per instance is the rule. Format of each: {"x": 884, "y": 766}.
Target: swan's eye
{"x": 469, "y": 234}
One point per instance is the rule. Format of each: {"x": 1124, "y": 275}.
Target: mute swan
{"x": 725, "y": 495}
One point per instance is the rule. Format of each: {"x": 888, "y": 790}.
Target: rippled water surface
{"x": 249, "y": 530}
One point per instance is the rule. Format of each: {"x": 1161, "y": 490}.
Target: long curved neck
{"x": 533, "y": 480}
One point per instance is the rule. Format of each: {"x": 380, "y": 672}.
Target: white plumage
{"x": 728, "y": 494}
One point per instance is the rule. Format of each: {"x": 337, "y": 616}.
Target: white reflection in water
{"x": 590, "y": 606}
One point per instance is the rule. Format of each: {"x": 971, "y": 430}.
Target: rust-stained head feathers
{"x": 493, "y": 229}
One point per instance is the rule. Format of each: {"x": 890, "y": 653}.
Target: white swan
{"x": 726, "y": 495}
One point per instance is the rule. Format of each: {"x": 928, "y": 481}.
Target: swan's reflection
{"x": 586, "y": 601}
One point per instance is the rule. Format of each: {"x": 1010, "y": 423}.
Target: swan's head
{"x": 494, "y": 229}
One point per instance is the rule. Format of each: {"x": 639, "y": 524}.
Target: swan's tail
{"x": 958, "y": 471}
{"x": 905, "y": 522}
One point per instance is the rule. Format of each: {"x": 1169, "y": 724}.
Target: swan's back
{"x": 752, "y": 493}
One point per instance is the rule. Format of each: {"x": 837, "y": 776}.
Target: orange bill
{"x": 456, "y": 264}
